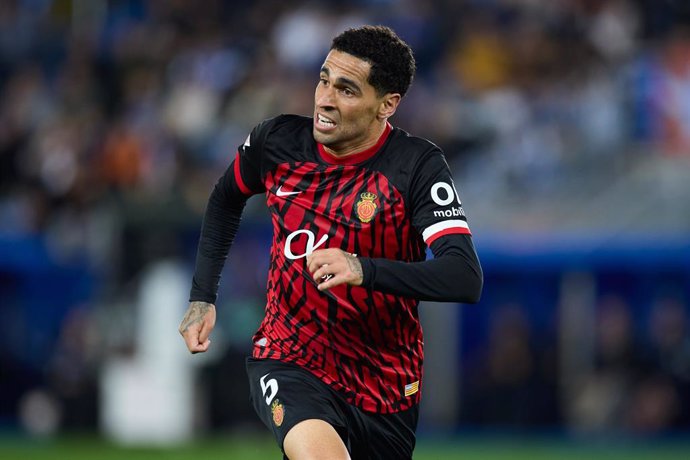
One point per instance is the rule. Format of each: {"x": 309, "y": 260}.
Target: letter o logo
{"x": 450, "y": 195}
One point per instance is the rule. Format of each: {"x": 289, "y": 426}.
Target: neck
{"x": 375, "y": 134}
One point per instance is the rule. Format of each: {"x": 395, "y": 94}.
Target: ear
{"x": 388, "y": 105}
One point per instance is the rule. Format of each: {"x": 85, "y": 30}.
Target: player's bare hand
{"x": 196, "y": 326}
{"x": 333, "y": 267}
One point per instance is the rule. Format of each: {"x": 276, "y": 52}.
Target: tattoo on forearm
{"x": 354, "y": 265}
{"x": 195, "y": 314}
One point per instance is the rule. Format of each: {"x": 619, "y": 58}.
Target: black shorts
{"x": 284, "y": 394}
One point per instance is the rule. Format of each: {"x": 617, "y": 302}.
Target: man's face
{"x": 346, "y": 106}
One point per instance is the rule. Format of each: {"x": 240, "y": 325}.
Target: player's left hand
{"x": 333, "y": 267}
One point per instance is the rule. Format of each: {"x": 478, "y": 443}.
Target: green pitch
{"x": 260, "y": 448}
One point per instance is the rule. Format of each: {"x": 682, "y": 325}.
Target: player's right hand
{"x": 333, "y": 267}
{"x": 196, "y": 326}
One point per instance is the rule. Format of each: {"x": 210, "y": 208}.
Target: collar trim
{"x": 358, "y": 157}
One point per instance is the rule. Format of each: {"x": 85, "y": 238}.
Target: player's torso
{"x": 359, "y": 208}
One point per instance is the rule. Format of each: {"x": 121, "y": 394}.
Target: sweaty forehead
{"x": 343, "y": 65}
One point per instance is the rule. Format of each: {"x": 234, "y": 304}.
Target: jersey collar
{"x": 358, "y": 157}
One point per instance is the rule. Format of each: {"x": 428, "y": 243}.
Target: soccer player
{"x": 336, "y": 370}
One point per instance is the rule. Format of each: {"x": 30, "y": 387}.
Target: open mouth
{"x": 324, "y": 123}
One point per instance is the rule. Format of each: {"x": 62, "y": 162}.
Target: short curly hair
{"x": 392, "y": 62}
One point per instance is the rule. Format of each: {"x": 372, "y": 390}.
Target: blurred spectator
{"x": 513, "y": 386}
{"x": 662, "y": 84}
{"x": 605, "y": 394}
{"x": 72, "y": 374}
{"x": 632, "y": 387}
{"x": 669, "y": 334}
{"x": 652, "y": 407}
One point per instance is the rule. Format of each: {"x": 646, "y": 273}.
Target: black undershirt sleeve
{"x": 454, "y": 275}
{"x": 218, "y": 230}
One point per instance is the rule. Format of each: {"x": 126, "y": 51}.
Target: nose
{"x": 324, "y": 97}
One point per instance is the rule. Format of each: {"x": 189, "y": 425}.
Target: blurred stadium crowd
{"x": 116, "y": 117}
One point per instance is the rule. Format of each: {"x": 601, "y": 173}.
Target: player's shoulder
{"x": 282, "y": 130}
{"x": 286, "y": 125}
{"x": 416, "y": 152}
{"x": 408, "y": 158}
{"x": 413, "y": 147}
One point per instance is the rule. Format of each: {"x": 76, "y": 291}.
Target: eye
{"x": 323, "y": 81}
{"x": 348, "y": 92}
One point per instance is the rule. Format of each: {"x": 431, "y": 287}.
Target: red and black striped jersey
{"x": 388, "y": 202}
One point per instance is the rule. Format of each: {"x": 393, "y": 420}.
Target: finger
{"x": 324, "y": 271}
{"x": 331, "y": 283}
{"x": 201, "y": 347}
{"x": 192, "y": 342}
{"x": 316, "y": 261}
{"x": 191, "y": 336}
{"x": 322, "y": 256}
{"x": 206, "y": 328}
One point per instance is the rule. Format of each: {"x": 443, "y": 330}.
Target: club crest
{"x": 366, "y": 207}
{"x": 278, "y": 412}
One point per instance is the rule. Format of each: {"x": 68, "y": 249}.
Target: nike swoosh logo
{"x": 281, "y": 192}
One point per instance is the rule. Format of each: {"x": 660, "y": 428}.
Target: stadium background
{"x": 566, "y": 123}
